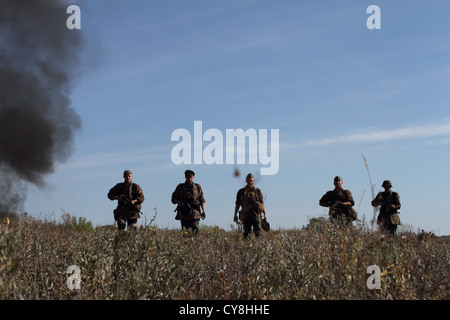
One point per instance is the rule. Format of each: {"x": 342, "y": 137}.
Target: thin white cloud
{"x": 413, "y": 132}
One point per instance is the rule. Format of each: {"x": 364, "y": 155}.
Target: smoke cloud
{"x": 39, "y": 58}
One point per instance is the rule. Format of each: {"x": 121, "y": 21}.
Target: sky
{"x": 335, "y": 90}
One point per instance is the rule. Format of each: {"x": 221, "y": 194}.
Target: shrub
{"x": 80, "y": 224}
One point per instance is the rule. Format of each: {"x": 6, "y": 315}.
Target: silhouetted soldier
{"x": 130, "y": 197}
{"x": 340, "y": 202}
{"x": 191, "y": 202}
{"x": 389, "y": 201}
{"x": 252, "y": 202}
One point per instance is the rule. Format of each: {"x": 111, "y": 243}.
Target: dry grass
{"x": 322, "y": 261}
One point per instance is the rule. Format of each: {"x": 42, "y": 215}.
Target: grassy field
{"x": 320, "y": 261}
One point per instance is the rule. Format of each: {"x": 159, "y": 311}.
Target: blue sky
{"x": 311, "y": 69}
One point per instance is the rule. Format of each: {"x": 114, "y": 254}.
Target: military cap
{"x": 337, "y": 178}
{"x": 189, "y": 173}
{"x": 386, "y": 183}
{"x": 126, "y": 172}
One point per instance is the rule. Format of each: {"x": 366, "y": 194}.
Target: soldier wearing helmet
{"x": 389, "y": 201}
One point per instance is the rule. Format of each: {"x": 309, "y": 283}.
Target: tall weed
{"x": 320, "y": 261}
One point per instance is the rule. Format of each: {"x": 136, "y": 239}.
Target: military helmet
{"x": 386, "y": 183}
{"x": 337, "y": 178}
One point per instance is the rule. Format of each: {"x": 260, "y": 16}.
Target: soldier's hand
{"x": 236, "y": 219}
{"x": 203, "y": 215}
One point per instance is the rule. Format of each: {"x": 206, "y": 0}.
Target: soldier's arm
{"x": 237, "y": 206}
{"x": 175, "y": 199}
{"x": 260, "y": 196}
{"x": 139, "y": 197}
{"x": 236, "y": 209}
{"x": 113, "y": 193}
{"x": 378, "y": 200}
{"x": 396, "y": 205}
{"x": 324, "y": 200}
{"x": 201, "y": 196}
{"x": 201, "y": 199}
{"x": 349, "y": 199}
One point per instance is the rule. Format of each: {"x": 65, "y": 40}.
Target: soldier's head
{"x": 338, "y": 182}
{"x": 127, "y": 175}
{"x": 189, "y": 175}
{"x": 250, "y": 179}
{"x": 387, "y": 185}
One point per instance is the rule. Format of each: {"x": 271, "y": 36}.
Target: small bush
{"x": 80, "y": 224}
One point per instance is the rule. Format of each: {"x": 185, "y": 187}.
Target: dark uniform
{"x": 126, "y": 212}
{"x": 190, "y": 200}
{"x": 335, "y": 200}
{"x": 251, "y": 200}
{"x": 389, "y": 201}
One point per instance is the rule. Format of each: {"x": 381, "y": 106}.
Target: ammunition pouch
{"x": 183, "y": 211}
{"x": 388, "y": 218}
{"x": 126, "y": 211}
{"x": 395, "y": 219}
{"x": 188, "y": 211}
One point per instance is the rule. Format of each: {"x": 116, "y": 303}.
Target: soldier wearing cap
{"x": 340, "y": 202}
{"x": 191, "y": 203}
{"x": 130, "y": 197}
{"x": 389, "y": 201}
{"x": 251, "y": 200}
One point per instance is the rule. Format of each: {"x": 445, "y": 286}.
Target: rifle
{"x": 339, "y": 206}
{"x": 188, "y": 206}
{"x": 387, "y": 204}
{"x": 128, "y": 201}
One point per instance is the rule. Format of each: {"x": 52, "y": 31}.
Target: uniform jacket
{"x": 131, "y": 191}
{"x": 390, "y": 204}
{"x": 188, "y": 194}
{"x": 251, "y": 201}
{"x": 338, "y": 194}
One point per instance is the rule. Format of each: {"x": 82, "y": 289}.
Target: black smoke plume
{"x": 39, "y": 58}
